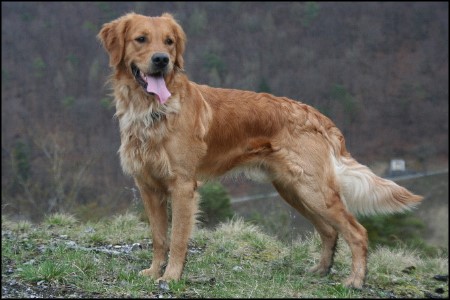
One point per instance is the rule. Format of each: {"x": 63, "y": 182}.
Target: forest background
{"x": 379, "y": 70}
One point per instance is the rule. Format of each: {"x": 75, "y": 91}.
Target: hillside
{"x": 62, "y": 257}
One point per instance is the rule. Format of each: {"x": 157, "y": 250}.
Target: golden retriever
{"x": 175, "y": 132}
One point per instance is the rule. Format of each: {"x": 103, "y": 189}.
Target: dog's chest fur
{"x": 143, "y": 128}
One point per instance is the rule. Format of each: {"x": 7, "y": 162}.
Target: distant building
{"x": 397, "y": 165}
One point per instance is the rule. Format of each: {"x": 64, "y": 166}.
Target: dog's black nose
{"x": 160, "y": 60}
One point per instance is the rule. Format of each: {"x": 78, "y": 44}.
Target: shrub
{"x": 395, "y": 230}
{"x": 215, "y": 204}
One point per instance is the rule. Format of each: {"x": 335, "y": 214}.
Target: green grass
{"x": 59, "y": 219}
{"x": 234, "y": 260}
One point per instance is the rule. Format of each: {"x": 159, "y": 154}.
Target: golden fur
{"x": 201, "y": 132}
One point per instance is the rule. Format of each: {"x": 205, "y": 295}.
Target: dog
{"x": 175, "y": 132}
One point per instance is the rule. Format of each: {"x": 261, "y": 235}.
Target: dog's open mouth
{"x": 152, "y": 84}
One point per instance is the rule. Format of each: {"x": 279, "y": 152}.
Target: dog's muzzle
{"x": 153, "y": 82}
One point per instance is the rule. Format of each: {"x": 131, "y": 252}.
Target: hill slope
{"x": 65, "y": 258}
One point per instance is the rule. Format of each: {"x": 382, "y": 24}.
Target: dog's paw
{"x": 319, "y": 270}
{"x": 150, "y": 273}
{"x": 162, "y": 280}
{"x": 353, "y": 282}
{"x": 173, "y": 274}
{"x": 167, "y": 278}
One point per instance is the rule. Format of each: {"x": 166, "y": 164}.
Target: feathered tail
{"x": 366, "y": 194}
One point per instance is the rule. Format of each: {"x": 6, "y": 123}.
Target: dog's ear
{"x": 180, "y": 40}
{"x": 112, "y": 37}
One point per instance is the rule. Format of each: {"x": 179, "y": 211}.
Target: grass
{"x": 235, "y": 260}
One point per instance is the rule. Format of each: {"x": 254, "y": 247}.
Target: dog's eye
{"x": 140, "y": 39}
{"x": 169, "y": 41}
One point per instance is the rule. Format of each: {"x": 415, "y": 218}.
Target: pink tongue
{"x": 156, "y": 85}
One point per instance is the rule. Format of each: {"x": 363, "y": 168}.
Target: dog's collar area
{"x": 157, "y": 116}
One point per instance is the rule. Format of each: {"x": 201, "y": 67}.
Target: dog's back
{"x": 254, "y": 124}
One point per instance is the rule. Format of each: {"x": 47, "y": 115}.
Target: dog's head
{"x": 150, "y": 48}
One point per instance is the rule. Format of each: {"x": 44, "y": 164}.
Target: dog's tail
{"x": 364, "y": 193}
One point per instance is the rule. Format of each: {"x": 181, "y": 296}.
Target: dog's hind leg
{"x": 333, "y": 211}
{"x": 356, "y": 237}
{"x": 354, "y": 234}
{"x": 328, "y": 234}
{"x": 316, "y": 195}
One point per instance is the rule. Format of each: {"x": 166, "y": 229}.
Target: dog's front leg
{"x": 155, "y": 205}
{"x": 184, "y": 208}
